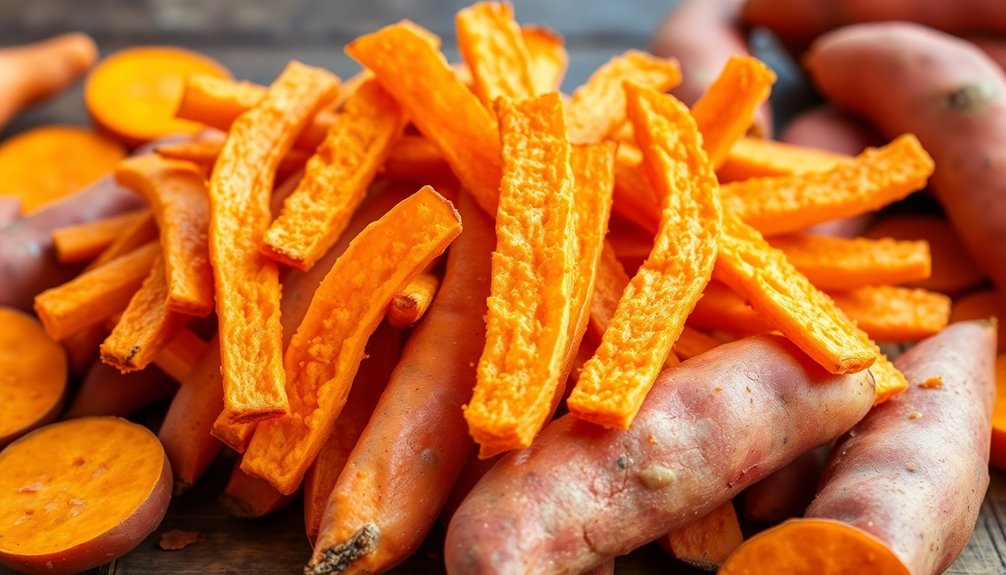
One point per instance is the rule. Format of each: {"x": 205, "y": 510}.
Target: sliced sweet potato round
{"x": 32, "y": 375}
{"x": 80, "y": 493}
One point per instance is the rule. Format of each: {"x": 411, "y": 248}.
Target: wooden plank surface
{"x": 255, "y": 38}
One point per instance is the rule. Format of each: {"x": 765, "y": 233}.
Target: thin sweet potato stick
{"x": 93, "y": 296}
{"x": 179, "y": 356}
{"x": 325, "y": 353}
{"x": 83, "y": 242}
{"x": 764, "y": 277}
{"x": 839, "y": 264}
{"x": 205, "y": 152}
{"x": 876, "y": 178}
{"x": 758, "y": 158}
{"x": 634, "y": 199}
{"x": 146, "y": 326}
{"x": 549, "y": 58}
{"x": 444, "y": 110}
{"x": 608, "y": 287}
{"x": 720, "y": 309}
{"x": 142, "y": 231}
{"x": 652, "y": 310}
{"x": 246, "y": 282}
{"x": 336, "y": 178}
{"x": 693, "y": 342}
{"x": 890, "y": 313}
{"x": 727, "y": 108}
{"x": 176, "y": 191}
{"x": 409, "y": 305}
{"x": 535, "y": 255}
{"x": 598, "y": 107}
{"x": 491, "y": 43}
{"x": 414, "y": 158}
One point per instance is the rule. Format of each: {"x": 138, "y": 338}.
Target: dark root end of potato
{"x": 337, "y": 559}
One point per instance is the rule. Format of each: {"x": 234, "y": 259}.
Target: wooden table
{"x": 255, "y": 38}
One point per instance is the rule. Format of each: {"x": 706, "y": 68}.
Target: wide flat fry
{"x": 95, "y": 295}
{"x": 751, "y": 157}
{"x": 727, "y": 108}
{"x": 891, "y": 313}
{"x": 787, "y": 204}
{"x": 529, "y": 307}
{"x": 549, "y": 58}
{"x": 326, "y": 350}
{"x": 176, "y": 191}
{"x": 693, "y": 342}
{"x": 179, "y": 356}
{"x": 491, "y": 43}
{"x": 839, "y": 264}
{"x": 336, "y": 178}
{"x": 598, "y": 106}
{"x": 652, "y": 310}
{"x": 83, "y": 242}
{"x": 247, "y": 283}
{"x": 444, "y": 110}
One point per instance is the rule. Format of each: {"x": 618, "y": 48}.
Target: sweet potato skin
{"x": 709, "y": 427}
{"x": 914, "y": 472}
{"x": 950, "y": 95}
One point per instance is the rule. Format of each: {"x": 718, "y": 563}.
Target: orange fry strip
{"x": 325, "y": 352}
{"x": 634, "y": 199}
{"x": 876, "y": 178}
{"x": 409, "y": 305}
{"x": 145, "y": 327}
{"x": 336, "y": 178}
{"x": 549, "y": 58}
{"x": 658, "y": 299}
{"x": 414, "y": 158}
{"x": 176, "y": 191}
{"x": 526, "y": 335}
{"x": 444, "y": 110}
{"x": 598, "y": 107}
{"x": 764, "y": 277}
{"x": 839, "y": 264}
{"x": 608, "y": 288}
{"x": 350, "y": 86}
{"x": 247, "y": 283}
{"x": 83, "y": 242}
{"x": 93, "y": 296}
{"x": 205, "y": 152}
{"x": 693, "y": 342}
{"x": 249, "y": 497}
{"x": 725, "y": 112}
{"x": 758, "y": 158}
{"x": 179, "y": 356}
{"x": 890, "y": 313}
{"x": 491, "y": 43}
{"x": 720, "y": 309}
{"x": 142, "y": 231}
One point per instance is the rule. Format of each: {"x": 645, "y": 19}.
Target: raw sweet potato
{"x": 787, "y": 492}
{"x": 32, "y": 375}
{"x": 581, "y": 494}
{"x": 951, "y": 95}
{"x": 101, "y": 488}
{"x": 105, "y": 391}
{"x": 35, "y": 71}
{"x": 911, "y": 475}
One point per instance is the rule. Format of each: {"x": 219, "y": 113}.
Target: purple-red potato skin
{"x": 994, "y": 47}
{"x": 703, "y": 35}
{"x": 709, "y": 428}
{"x": 105, "y": 391}
{"x": 786, "y": 492}
{"x": 914, "y": 472}
{"x": 805, "y": 19}
{"x": 906, "y": 78}
{"x": 10, "y": 210}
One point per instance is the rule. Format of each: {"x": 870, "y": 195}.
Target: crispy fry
{"x": 176, "y": 191}
{"x": 608, "y": 287}
{"x": 248, "y": 497}
{"x": 142, "y": 231}
{"x": 658, "y": 299}
{"x": 336, "y": 178}
{"x": 83, "y": 242}
{"x": 889, "y": 313}
{"x": 491, "y": 43}
{"x": 205, "y": 152}
{"x": 526, "y": 335}
{"x": 95, "y": 295}
{"x": 549, "y": 58}
{"x": 246, "y": 283}
{"x": 350, "y": 86}
{"x": 693, "y": 342}
{"x": 727, "y": 108}
{"x": 598, "y": 107}
{"x": 759, "y": 158}
{"x": 414, "y": 158}
{"x": 720, "y": 309}
{"x": 786, "y": 204}
{"x": 326, "y": 351}
{"x": 179, "y": 356}
{"x": 634, "y": 199}
{"x": 409, "y": 305}
{"x": 443, "y": 109}
{"x": 146, "y": 326}
{"x": 838, "y": 264}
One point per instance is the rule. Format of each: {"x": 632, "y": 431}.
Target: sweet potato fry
{"x": 336, "y": 178}
{"x": 246, "y": 283}
{"x": 786, "y": 204}
{"x": 838, "y": 264}
{"x": 634, "y": 199}
{"x": 83, "y": 242}
{"x": 720, "y": 309}
{"x": 441, "y": 107}
{"x": 414, "y": 158}
{"x": 140, "y": 232}
{"x": 708, "y": 541}
{"x": 176, "y": 191}
{"x": 758, "y": 158}
{"x": 249, "y": 497}
{"x": 658, "y": 299}
{"x": 535, "y": 256}
{"x": 95, "y": 295}
{"x": 982, "y": 305}
{"x": 727, "y": 108}
{"x": 409, "y": 305}
{"x": 548, "y": 58}
{"x": 693, "y": 342}
{"x": 204, "y": 152}
{"x": 997, "y": 456}
{"x": 326, "y": 351}
{"x": 598, "y": 107}
{"x": 890, "y": 313}
{"x": 608, "y": 287}
{"x": 493, "y": 48}
{"x": 179, "y": 356}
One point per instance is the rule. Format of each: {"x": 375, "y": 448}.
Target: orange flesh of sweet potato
{"x": 708, "y": 541}
{"x": 982, "y": 305}
{"x": 891, "y": 313}
{"x": 83, "y": 242}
